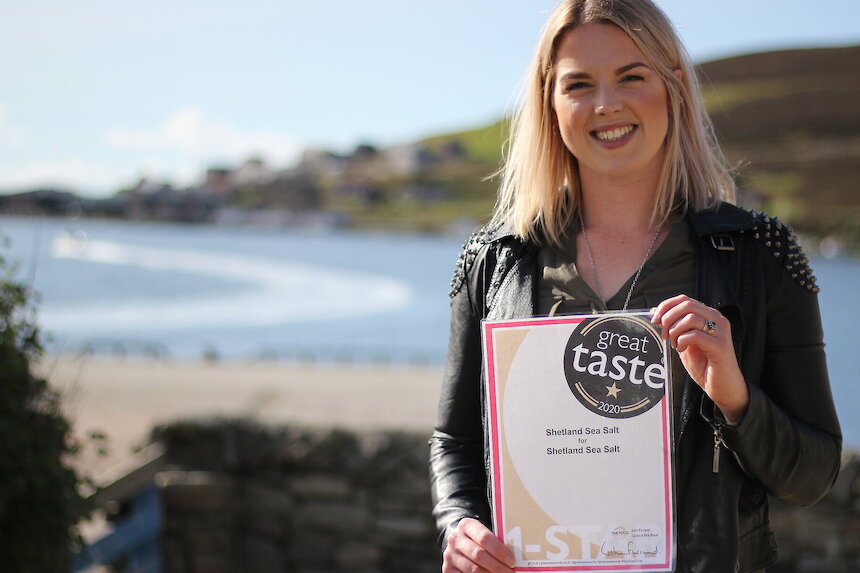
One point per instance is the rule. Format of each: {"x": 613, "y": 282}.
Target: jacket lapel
{"x": 715, "y": 279}
{"x": 516, "y": 291}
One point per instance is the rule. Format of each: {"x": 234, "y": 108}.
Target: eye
{"x": 632, "y": 78}
{"x": 573, "y": 86}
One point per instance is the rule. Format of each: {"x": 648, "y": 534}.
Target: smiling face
{"x": 610, "y": 104}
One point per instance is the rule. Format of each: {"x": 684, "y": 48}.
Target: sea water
{"x": 183, "y": 291}
{"x": 186, "y": 291}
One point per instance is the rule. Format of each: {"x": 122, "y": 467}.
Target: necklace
{"x": 597, "y": 284}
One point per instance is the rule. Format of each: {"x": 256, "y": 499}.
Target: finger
{"x": 671, "y": 310}
{"x": 712, "y": 335}
{"x": 471, "y": 547}
{"x": 678, "y": 307}
{"x": 672, "y": 315}
{"x": 683, "y": 333}
{"x": 695, "y": 338}
{"x": 469, "y": 556}
{"x": 455, "y": 558}
{"x": 498, "y": 551}
{"x": 476, "y": 562}
{"x": 661, "y": 309}
{"x": 696, "y": 329}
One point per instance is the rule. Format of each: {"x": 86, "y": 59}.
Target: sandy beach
{"x": 124, "y": 398}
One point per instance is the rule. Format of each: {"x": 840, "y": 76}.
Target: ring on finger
{"x": 710, "y": 327}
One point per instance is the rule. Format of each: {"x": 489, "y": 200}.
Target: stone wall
{"x": 247, "y": 498}
{"x": 239, "y": 497}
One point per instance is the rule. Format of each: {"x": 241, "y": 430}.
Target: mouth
{"x": 611, "y": 135}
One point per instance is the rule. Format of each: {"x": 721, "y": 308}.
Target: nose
{"x": 607, "y": 102}
{"x": 607, "y": 109}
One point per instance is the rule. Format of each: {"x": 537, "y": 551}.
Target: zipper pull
{"x": 718, "y": 440}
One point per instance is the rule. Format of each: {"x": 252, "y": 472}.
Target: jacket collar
{"x": 723, "y": 218}
{"x": 499, "y": 232}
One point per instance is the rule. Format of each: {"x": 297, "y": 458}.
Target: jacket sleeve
{"x": 457, "y": 470}
{"x": 789, "y": 437}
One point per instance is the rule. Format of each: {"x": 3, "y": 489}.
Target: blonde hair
{"x": 540, "y": 187}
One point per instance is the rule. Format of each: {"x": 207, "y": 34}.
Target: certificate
{"x": 580, "y": 435}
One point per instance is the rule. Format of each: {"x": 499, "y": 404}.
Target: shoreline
{"x": 124, "y": 398}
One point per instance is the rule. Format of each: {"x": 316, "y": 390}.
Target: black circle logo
{"x": 615, "y": 367}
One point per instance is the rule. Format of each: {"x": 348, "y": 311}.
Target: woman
{"x": 614, "y": 196}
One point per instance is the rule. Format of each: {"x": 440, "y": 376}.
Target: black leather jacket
{"x": 788, "y": 443}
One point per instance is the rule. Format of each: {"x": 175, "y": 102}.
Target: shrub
{"x": 39, "y": 501}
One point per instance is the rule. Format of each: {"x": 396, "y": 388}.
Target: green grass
{"x": 723, "y": 97}
{"x": 482, "y": 145}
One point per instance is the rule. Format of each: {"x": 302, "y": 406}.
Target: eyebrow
{"x": 618, "y": 72}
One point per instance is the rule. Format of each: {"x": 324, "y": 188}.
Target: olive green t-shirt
{"x": 670, "y": 271}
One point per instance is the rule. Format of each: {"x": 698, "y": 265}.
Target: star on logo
{"x": 612, "y": 391}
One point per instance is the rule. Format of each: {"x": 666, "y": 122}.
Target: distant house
{"x": 452, "y": 151}
{"x": 324, "y": 163}
{"x": 40, "y": 202}
{"x": 290, "y": 189}
{"x": 253, "y": 172}
{"x": 219, "y": 181}
{"x": 406, "y": 160}
{"x": 150, "y": 201}
{"x": 359, "y": 189}
{"x": 299, "y": 190}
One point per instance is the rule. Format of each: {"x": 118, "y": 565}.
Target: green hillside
{"x": 789, "y": 120}
{"x": 482, "y": 145}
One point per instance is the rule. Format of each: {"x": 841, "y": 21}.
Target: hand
{"x": 709, "y": 358}
{"x": 473, "y": 548}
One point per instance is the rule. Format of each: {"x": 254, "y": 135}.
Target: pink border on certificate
{"x": 498, "y": 513}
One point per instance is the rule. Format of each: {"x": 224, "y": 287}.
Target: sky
{"x": 99, "y": 93}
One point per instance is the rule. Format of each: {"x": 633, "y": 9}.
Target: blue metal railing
{"x": 134, "y": 543}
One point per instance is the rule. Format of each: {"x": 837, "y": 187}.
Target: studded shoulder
{"x": 471, "y": 247}
{"x": 781, "y": 241}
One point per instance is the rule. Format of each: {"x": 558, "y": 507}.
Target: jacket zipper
{"x": 718, "y": 441}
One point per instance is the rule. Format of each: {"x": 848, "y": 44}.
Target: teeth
{"x": 614, "y": 134}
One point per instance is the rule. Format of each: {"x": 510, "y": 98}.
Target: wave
{"x": 276, "y": 292}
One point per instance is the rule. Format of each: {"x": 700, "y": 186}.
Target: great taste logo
{"x": 615, "y": 365}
